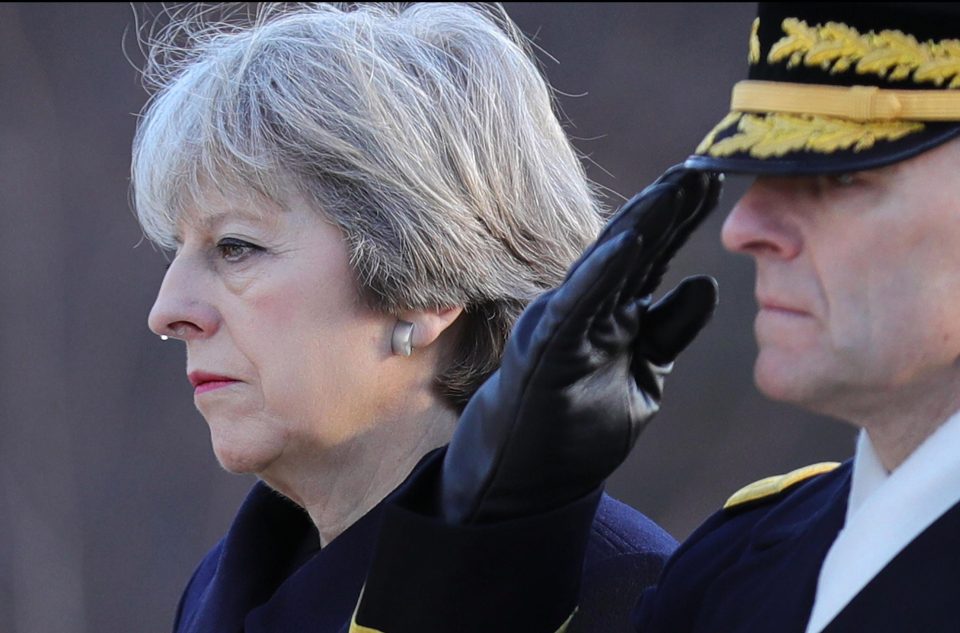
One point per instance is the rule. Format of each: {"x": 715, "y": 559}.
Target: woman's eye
{"x": 234, "y": 250}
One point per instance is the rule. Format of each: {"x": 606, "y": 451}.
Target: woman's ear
{"x": 428, "y": 325}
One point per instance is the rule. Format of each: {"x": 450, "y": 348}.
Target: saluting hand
{"x": 583, "y": 370}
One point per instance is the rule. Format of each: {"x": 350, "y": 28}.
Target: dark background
{"x": 109, "y": 493}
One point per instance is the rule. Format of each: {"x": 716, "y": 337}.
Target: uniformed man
{"x": 850, "y": 119}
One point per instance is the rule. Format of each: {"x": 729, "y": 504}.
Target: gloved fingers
{"x": 700, "y": 199}
{"x": 614, "y": 329}
{"x": 598, "y": 277}
{"x": 694, "y": 201}
{"x": 658, "y": 214}
{"x": 671, "y": 324}
{"x": 647, "y": 217}
{"x": 600, "y": 314}
{"x": 650, "y": 213}
{"x": 631, "y": 255}
{"x": 613, "y": 303}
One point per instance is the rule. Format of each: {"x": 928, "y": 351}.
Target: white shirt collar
{"x": 877, "y": 528}
{"x": 868, "y": 476}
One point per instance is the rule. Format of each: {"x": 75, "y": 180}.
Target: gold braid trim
{"x": 771, "y": 486}
{"x": 779, "y": 134}
{"x": 894, "y": 55}
{"x": 359, "y": 628}
{"x": 355, "y": 627}
{"x": 563, "y": 627}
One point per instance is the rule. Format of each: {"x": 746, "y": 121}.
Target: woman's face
{"x": 285, "y": 360}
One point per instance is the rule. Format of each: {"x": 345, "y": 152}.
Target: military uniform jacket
{"x": 268, "y": 574}
{"x": 753, "y": 567}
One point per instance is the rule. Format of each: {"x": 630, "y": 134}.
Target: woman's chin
{"x": 237, "y": 467}
{"x": 241, "y": 460}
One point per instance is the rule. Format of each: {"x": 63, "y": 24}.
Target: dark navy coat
{"x": 752, "y": 568}
{"x": 268, "y": 574}
{"x": 755, "y": 568}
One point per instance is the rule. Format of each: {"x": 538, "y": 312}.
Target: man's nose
{"x": 182, "y": 308}
{"x": 761, "y": 224}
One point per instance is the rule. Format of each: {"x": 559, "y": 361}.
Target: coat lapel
{"x": 258, "y": 549}
{"x": 322, "y": 594}
{"x": 919, "y": 590}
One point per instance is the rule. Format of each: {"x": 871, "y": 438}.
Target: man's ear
{"x": 428, "y": 325}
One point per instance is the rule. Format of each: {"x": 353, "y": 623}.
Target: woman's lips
{"x": 204, "y": 381}
{"x": 211, "y": 385}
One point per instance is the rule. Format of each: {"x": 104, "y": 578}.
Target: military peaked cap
{"x": 840, "y": 87}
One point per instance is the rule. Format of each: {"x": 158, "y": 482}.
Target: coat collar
{"x": 271, "y": 575}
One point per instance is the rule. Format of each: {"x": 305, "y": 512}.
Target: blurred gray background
{"x": 109, "y": 493}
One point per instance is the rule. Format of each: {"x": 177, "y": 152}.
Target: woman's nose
{"x": 181, "y": 310}
{"x": 761, "y": 224}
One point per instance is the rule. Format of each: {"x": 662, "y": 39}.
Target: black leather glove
{"x": 583, "y": 369}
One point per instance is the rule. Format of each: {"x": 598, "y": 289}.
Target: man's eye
{"x": 233, "y": 250}
{"x": 838, "y": 180}
{"x": 829, "y": 182}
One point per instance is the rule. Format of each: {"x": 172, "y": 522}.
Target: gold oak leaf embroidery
{"x": 707, "y": 141}
{"x": 777, "y": 135}
{"x": 895, "y": 55}
{"x": 837, "y": 48}
{"x": 945, "y": 63}
{"x": 754, "y": 55}
{"x": 799, "y": 39}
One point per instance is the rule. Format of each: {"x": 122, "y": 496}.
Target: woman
{"x": 361, "y": 203}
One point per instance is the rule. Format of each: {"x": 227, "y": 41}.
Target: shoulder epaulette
{"x": 771, "y": 486}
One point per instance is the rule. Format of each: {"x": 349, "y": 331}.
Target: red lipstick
{"x": 204, "y": 381}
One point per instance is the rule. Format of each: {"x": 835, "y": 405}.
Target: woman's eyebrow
{"x": 212, "y": 219}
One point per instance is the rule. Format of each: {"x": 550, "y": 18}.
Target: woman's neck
{"x": 341, "y": 486}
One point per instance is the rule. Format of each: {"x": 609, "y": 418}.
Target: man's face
{"x": 858, "y": 284}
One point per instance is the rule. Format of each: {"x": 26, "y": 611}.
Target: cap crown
{"x": 839, "y": 87}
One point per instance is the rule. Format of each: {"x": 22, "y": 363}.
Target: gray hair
{"x": 425, "y": 133}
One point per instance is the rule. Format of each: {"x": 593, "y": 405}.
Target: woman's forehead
{"x": 216, "y": 207}
{"x": 213, "y": 207}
